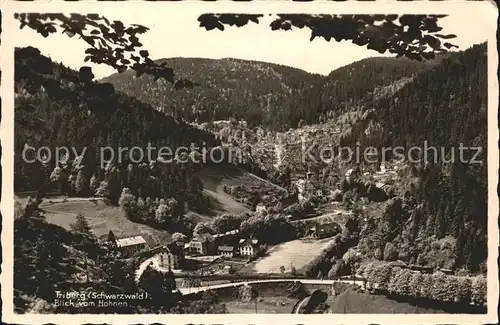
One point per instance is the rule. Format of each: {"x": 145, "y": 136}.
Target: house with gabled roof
{"x": 248, "y": 247}
{"x": 224, "y": 250}
{"x": 201, "y": 244}
{"x": 131, "y": 245}
{"x": 170, "y": 256}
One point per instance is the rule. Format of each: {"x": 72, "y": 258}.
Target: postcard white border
{"x": 487, "y": 8}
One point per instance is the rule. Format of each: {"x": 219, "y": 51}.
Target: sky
{"x": 176, "y": 33}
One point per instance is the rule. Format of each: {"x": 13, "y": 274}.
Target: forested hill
{"x": 109, "y": 119}
{"x": 445, "y": 106}
{"x": 255, "y": 91}
{"x": 269, "y": 95}
{"x": 351, "y": 83}
{"x": 448, "y": 100}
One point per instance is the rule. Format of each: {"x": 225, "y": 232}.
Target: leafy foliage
{"x": 434, "y": 287}
{"x": 118, "y": 121}
{"x": 110, "y": 42}
{"x": 47, "y": 257}
{"x": 159, "y": 287}
{"x": 414, "y": 36}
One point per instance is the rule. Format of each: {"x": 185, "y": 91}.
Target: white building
{"x": 260, "y": 208}
{"x": 167, "y": 260}
{"x": 305, "y": 189}
{"x": 170, "y": 256}
{"x": 131, "y": 245}
{"x": 248, "y": 247}
{"x": 348, "y": 174}
{"x": 226, "y": 251}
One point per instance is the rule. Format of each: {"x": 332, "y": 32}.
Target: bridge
{"x": 258, "y": 276}
{"x": 194, "y": 290}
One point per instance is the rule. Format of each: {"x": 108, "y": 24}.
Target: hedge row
{"x": 438, "y": 286}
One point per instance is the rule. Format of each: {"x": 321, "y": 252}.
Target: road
{"x": 331, "y": 215}
{"x": 69, "y": 199}
{"x": 187, "y": 291}
{"x": 297, "y": 310}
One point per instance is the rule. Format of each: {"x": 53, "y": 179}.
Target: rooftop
{"x": 249, "y": 241}
{"x": 130, "y": 241}
{"x": 203, "y": 237}
{"x": 226, "y": 248}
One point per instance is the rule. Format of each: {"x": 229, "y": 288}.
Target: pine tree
{"x": 81, "y": 225}
{"x": 82, "y": 182}
{"x": 111, "y": 239}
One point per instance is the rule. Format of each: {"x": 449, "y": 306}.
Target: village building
{"x": 422, "y": 269}
{"x": 321, "y": 192}
{"x": 305, "y": 189}
{"x": 201, "y": 244}
{"x": 131, "y": 245}
{"x": 326, "y": 230}
{"x": 348, "y": 174}
{"x": 170, "y": 256}
{"x": 382, "y": 170}
{"x": 226, "y": 251}
{"x": 260, "y": 208}
{"x": 248, "y": 247}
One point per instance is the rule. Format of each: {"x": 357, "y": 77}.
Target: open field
{"x": 296, "y": 253}
{"x": 102, "y": 218}
{"x": 214, "y": 180}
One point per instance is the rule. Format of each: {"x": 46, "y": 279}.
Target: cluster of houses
{"x": 227, "y": 244}
{"x": 169, "y": 256}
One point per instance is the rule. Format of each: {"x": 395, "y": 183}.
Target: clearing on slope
{"x": 102, "y": 218}
{"x": 214, "y": 180}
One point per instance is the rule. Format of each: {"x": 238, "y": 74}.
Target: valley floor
{"x": 295, "y": 253}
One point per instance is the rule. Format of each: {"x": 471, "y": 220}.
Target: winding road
{"x": 297, "y": 309}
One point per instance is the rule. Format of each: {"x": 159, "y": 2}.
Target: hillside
{"x": 47, "y": 256}
{"x": 441, "y": 200}
{"x": 349, "y": 84}
{"x": 110, "y": 120}
{"x": 264, "y": 94}
{"x": 446, "y": 201}
{"x": 227, "y": 88}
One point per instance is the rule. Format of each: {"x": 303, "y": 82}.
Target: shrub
{"x": 426, "y": 287}
{"x": 404, "y": 282}
{"x": 393, "y": 285}
{"x": 461, "y": 289}
{"x": 439, "y": 288}
{"x": 390, "y": 252}
{"x": 415, "y": 284}
{"x": 479, "y": 290}
{"x": 381, "y": 276}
